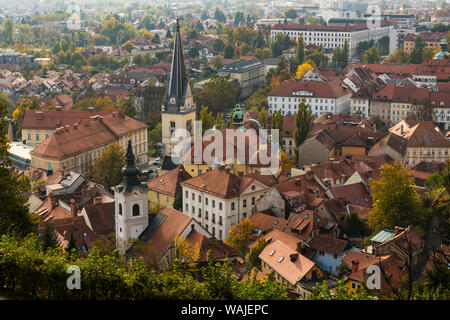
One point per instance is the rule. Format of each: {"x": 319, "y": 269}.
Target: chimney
{"x": 53, "y": 202}
{"x": 91, "y": 109}
{"x": 58, "y": 108}
{"x": 401, "y": 129}
{"x": 298, "y": 182}
{"x": 73, "y": 208}
{"x": 293, "y": 257}
{"x": 355, "y": 266}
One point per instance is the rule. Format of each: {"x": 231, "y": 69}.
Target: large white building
{"x": 219, "y": 199}
{"x": 322, "y": 97}
{"x": 331, "y": 37}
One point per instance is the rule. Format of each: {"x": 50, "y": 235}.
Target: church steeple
{"x": 178, "y": 83}
{"x": 130, "y": 172}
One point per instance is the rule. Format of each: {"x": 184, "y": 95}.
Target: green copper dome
{"x": 444, "y": 50}
{"x": 238, "y": 117}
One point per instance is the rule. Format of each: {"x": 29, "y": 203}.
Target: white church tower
{"x": 131, "y": 204}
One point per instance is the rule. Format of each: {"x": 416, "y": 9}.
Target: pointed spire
{"x": 130, "y": 172}
{"x": 178, "y": 80}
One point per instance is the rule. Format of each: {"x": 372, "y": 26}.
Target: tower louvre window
{"x": 136, "y": 210}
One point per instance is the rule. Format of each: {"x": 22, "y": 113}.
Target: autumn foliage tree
{"x": 240, "y": 236}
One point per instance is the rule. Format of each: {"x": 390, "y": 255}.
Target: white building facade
{"x": 331, "y": 37}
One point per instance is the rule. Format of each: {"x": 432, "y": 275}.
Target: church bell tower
{"x": 178, "y": 108}
{"x": 131, "y": 204}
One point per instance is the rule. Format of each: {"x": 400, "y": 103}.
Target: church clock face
{"x": 172, "y": 100}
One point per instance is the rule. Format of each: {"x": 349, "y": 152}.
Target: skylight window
{"x": 271, "y": 253}
{"x": 281, "y": 259}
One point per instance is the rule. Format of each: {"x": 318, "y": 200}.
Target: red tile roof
{"x": 86, "y": 135}
{"x": 332, "y": 89}
{"x": 219, "y": 182}
{"x": 277, "y": 256}
{"x": 169, "y": 183}
{"x": 52, "y": 119}
{"x": 327, "y": 244}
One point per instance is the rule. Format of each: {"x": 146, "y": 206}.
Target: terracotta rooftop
{"x": 332, "y": 89}
{"x": 86, "y": 135}
{"x": 265, "y": 222}
{"x": 354, "y": 193}
{"x": 328, "y": 244}
{"x": 52, "y": 119}
{"x": 278, "y": 256}
{"x": 219, "y": 182}
{"x": 169, "y": 183}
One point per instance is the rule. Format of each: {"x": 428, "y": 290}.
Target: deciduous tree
{"x": 107, "y": 168}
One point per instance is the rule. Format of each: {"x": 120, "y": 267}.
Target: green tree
{"x": 218, "y": 122}
{"x": 262, "y": 118}
{"x": 72, "y": 246}
{"x": 193, "y": 52}
{"x": 340, "y": 292}
{"x": 417, "y": 53}
{"x": 253, "y": 257}
{"x": 303, "y": 122}
{"x": 49, "y": 238}
{"x": 290, "y": 14}
{"x": 353, "y": 226}
{"x": 127, "y": 104}
{"x": 277, "y": 123}
{"x": 178, "y": 202}
{"x": 107, "y": 167}
{"x": 228, "y": 52}
{"x": 207, "y": 119}
{"x": 14, "y": 214}
{"x": 372, "y": 55}
{"x": 8, "y": 31}
{"x": 345, "y": 54}
{"x": 217, "y": 45}
{"x": 218, "y": 94}
{"x": 155, "y": 136}
{"x": 395, "y": 200}
{"x": 299, "y": 53}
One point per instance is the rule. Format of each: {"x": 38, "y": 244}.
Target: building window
{"x": 232, "y": 206}
{"x": 120, "y": 209}
{"x": 244, "y": 203}
{"x": 220, "y": 205}
{"x": 135, "y": 210}
{"x": 213, "y": 203}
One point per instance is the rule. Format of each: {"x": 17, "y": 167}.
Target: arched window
{"x": 135, "y": 210}
{"x": 120, "y": 209}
